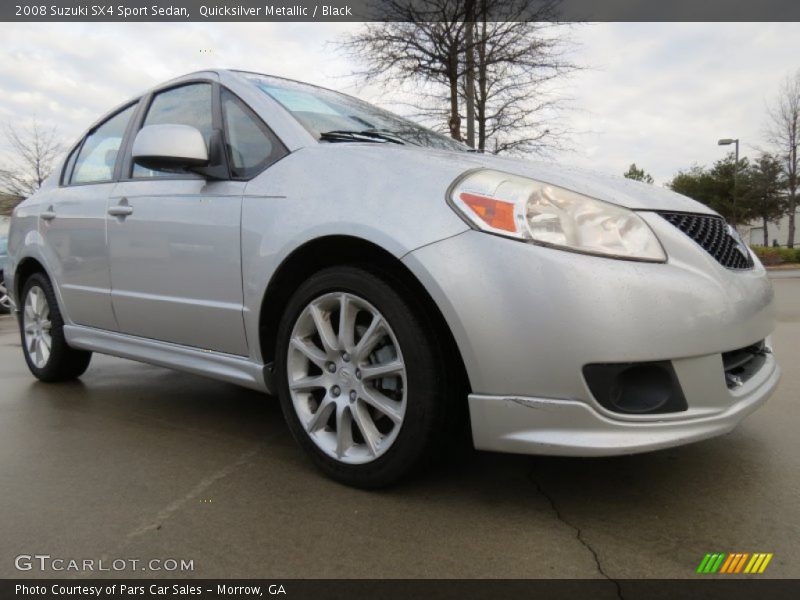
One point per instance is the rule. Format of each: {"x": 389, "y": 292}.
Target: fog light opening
{"x": 636, "y": 388}
{"x": 641, "y": 389}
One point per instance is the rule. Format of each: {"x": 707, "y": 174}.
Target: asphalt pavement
{"x": 136, "y": 462}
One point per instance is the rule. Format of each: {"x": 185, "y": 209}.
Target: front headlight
{"x": 545, "y": 214}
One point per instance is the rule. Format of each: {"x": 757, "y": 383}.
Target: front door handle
{"x": 122, "y": 210}
{"x": 49, "y": 214}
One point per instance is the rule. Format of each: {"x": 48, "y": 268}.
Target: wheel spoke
{"x": 39, "y": 302}
{"x": 305, "y": 384}
{"x": 367, "y": 428}
{"x": 382, "y": 370}
{"x": 310, "y": 351}
{"x": 46, "y": 325}
{"x": 347, "y": 323}
{"x": 320, "y": 418}
{"x": 372, "y": 335}
{"x": 360, "y": 377}
{"x": 344, "y": 430}
{"x": 322, "y": 321}
{"x": 39, "y": 353}
{"x": 384, "y": 404}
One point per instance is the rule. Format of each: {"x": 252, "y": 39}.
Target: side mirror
{"x": 161, "y": 147}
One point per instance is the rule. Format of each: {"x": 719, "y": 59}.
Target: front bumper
{"x": 572, "y": 428}
{"x": 528, "y": 318}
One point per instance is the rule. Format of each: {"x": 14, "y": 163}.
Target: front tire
{"x": 46, "y": 352}
{"x": 360, "y": 378}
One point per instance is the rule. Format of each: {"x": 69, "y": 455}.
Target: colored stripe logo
{"x": 736, "y": 562}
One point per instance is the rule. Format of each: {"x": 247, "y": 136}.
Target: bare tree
{"x": 784, "y": 134}
{"x": 492, "y": 57}
{"x": 34, "y": 150}
{"x": 420, "y": 42}
{"x": 517, "y": 57}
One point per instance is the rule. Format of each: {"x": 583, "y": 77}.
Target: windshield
{"x": 323, "y": 112}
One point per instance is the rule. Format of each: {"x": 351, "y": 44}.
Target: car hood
{"x": 610, "y": 188}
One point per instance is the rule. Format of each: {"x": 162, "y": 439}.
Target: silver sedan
{"x": 388, "y": 284}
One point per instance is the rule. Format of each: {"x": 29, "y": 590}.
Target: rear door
{"x": 73, "y": 223}
{"x": 176, "y": 255}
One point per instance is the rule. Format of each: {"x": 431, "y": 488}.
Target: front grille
{"x": 740, "y": 365}
{"x": 714, "y": 235}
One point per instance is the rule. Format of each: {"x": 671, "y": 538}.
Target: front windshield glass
{"x": 323, "y": 112}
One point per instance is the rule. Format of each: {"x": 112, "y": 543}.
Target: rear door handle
{"x": 122, "y": 210}
{"x": 49, "y": 214}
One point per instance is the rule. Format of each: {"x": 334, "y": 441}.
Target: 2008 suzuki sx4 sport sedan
{"x": 385, "y": 282}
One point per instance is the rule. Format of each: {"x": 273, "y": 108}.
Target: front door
{"x": 174, "y": 243}
{"x": 175, "y": 261}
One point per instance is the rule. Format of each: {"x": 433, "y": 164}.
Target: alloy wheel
{"x": 5, "y": 299}
{"x": 37, "y": 326}
{"x": 347, "y": 377}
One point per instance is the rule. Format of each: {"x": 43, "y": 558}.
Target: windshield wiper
{"x": 365, "y": 135}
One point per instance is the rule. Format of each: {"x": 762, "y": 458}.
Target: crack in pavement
{"x": 578, "y": 533}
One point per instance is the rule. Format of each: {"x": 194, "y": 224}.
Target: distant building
{"x": 777, "y": 231}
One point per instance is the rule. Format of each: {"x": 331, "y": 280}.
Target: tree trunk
{"x": 470, "y": 71}
{"x": 766, "y": 237}
{"x": 481, "y": 104}
{"x": 792, "y": 193}
{"x": 452, "y": 76}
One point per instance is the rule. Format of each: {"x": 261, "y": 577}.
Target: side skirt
{"x": 217, "y": 365}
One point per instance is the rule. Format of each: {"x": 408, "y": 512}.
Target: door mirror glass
{"x": 170, "y": 148}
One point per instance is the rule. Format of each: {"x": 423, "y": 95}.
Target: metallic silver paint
{"x": 74, "y": 248}
{"x": 180, "y": 282}
{"x": 217, "y": 365}
{"x": 560, "y": 427}
{"x": 176, "y": 262}
{"x": 180, "y": 143}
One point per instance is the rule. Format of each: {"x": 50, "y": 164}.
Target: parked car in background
{"x": 384, "y": 280}
{"x": 5, "y": 299}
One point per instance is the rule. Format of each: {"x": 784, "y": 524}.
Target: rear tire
{"x": 392, "y": 392}
{"x": 46, "y": 351}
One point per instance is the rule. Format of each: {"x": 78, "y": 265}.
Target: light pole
{"x": 728, "y": 142}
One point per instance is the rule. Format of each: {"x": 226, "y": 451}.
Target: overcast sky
{"x": 656, "y": 94}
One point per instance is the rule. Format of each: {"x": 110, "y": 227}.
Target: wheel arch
{"x": 334, "y": 250}
{"x": 27, "y": 266}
